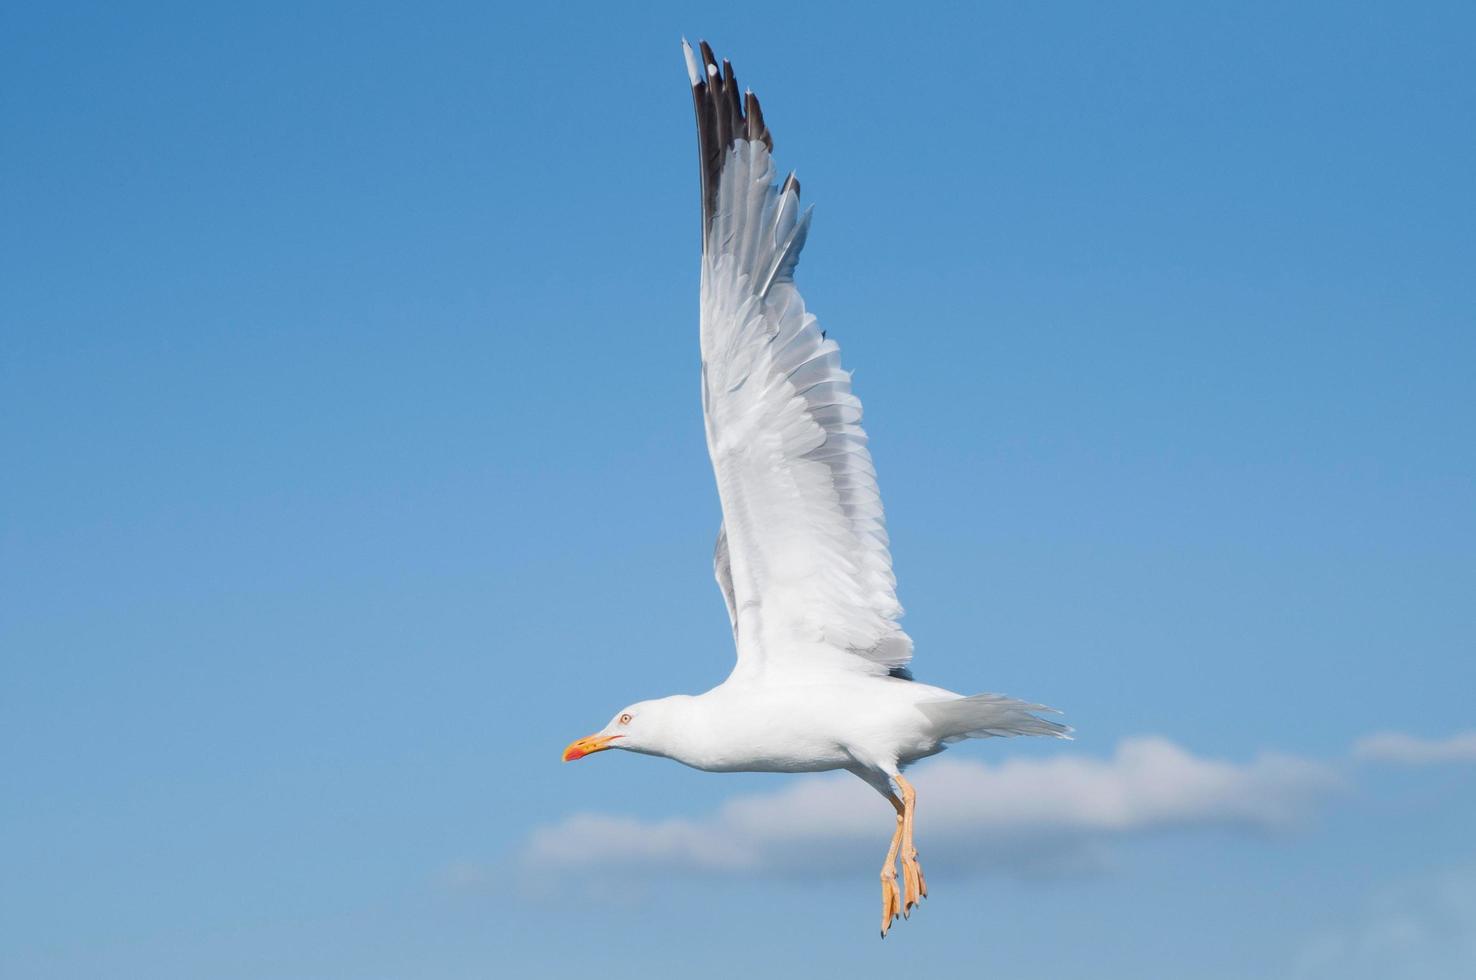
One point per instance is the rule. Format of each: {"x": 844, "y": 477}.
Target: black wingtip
{"x": 724, "y": 115}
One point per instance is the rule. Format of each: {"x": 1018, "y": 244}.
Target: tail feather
{"x": 990, "y": 715}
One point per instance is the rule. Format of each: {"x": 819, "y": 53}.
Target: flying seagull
{"x": 802, "y": 559}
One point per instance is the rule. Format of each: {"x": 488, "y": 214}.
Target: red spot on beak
{"x": 588, "y": 746}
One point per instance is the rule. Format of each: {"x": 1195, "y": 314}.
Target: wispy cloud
{"x": 1026, "y": 815}
{"x": 1421, "y": 927}
{"x": 1410, "y": 750}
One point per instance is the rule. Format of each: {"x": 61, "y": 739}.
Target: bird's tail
{"x": 989, "y": 715}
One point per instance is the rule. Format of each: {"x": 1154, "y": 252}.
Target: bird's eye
{"x": 625, "y": 718}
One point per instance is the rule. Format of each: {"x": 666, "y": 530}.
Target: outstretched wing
{"x": 802, "y": 556}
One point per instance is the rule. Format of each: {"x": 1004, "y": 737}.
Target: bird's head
{"x": 642, "y": 727}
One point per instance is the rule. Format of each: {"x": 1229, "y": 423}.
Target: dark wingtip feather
{"x": 755, "y": 115}
{"x": 724, "y": 115}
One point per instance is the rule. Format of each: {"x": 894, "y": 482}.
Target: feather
{"x": 802, "y": 553}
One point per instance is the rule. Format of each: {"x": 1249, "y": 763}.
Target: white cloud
{"x": 1022, "y": 814}
{"x": 1410, "y": 750}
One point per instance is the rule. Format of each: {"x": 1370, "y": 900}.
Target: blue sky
{"x": 354, "y": 465}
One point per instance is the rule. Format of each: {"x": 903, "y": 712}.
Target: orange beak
{"x": 588, "y": 746}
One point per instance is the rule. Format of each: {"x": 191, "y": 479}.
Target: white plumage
{"x": 806, "y": 541}
{"x": 802, "y": 555}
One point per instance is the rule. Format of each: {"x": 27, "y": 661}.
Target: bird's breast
{"x": 800, "y": 729}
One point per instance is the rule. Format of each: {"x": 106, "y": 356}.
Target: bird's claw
{"x": 915, "y": 886}
{"x": 891, "y": 902}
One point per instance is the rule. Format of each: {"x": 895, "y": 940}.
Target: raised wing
{"x": 802, "y": 556}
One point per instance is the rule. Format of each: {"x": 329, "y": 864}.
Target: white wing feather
{"x": 808, "y": 571}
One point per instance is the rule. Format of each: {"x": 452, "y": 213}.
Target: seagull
{"x": 802, "y": 558}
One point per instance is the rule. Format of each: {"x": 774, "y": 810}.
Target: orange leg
{"x": 891, "y": 901}
{"x": 915, "y": 887}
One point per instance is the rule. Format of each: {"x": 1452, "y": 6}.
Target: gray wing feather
{"x": 722, "y": 570}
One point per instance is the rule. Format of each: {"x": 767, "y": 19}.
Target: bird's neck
{"x": 692, "y": 730}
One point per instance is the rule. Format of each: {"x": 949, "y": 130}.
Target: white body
{"x": 853, "y": 722}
